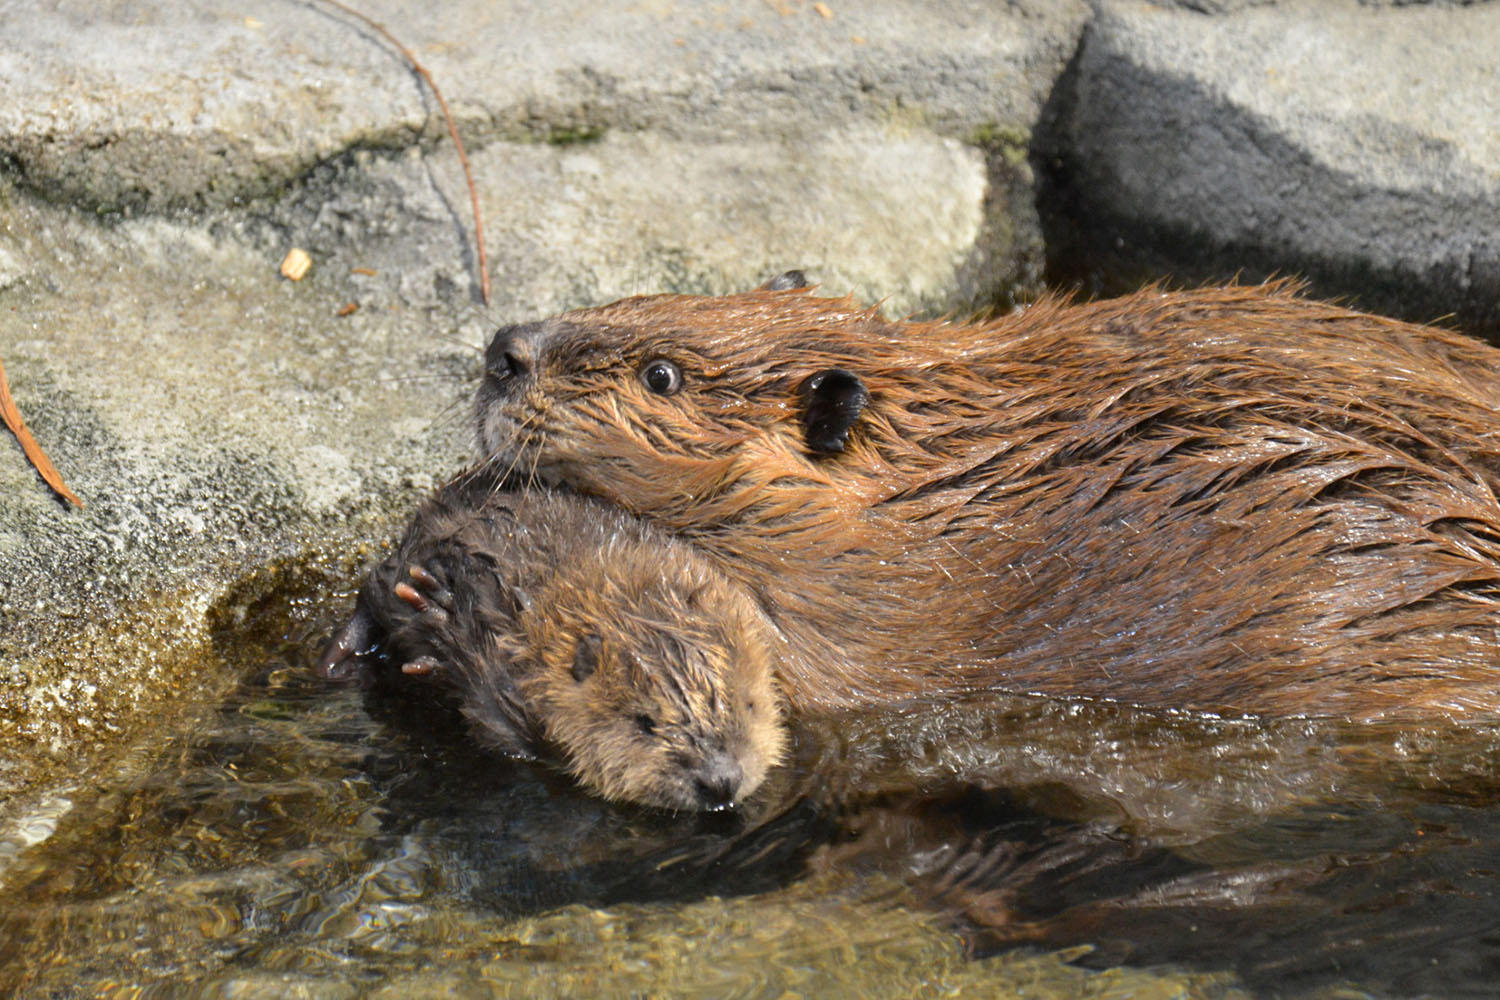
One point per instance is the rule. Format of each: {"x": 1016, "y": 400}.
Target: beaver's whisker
{"x": 420, "y": 377}
{"x": 449, "y": 414}
{"x": 457, "y": 341}
{"x": 504, "y": 447}
{"x": 516, "y": 452}
{"x": 483, "y": 316}
{"x": 536, "y": 460}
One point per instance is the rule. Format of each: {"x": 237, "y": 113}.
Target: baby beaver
{"x": 570, "y": 631}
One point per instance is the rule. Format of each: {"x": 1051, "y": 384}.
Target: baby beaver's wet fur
{"x": 571, "y": 632}
{"x": 1227, "y": 499}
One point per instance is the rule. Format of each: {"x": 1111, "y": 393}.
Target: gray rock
{"x": 1351, "y": 143}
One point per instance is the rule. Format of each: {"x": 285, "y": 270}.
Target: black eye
{"x": 646, "y": 723}
{"x": 661, "y": 377}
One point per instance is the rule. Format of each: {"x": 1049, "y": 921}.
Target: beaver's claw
{"x": 341, "y": 659}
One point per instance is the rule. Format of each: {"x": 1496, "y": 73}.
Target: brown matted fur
{"x": 570, "y": 631}
{"x": 1233, "y": 498}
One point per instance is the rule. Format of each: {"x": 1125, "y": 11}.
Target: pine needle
{"x": 33, "y": 451}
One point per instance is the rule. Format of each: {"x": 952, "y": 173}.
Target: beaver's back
{"x": 1224, "y": 499}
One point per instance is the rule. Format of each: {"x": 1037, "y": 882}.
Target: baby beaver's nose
{"x": 513, "y": 353}
{"x": 717, "y": 783}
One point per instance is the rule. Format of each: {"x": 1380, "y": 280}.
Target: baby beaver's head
{"x": 665, "y": 404}
{"x": 653, "y": 680}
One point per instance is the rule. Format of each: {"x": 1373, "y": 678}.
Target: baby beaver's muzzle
{"x": 717, "y": 782}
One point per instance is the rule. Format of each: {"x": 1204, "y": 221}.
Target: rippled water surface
{"x": 324, "y": 842}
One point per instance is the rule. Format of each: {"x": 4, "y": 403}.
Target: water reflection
{"x": 330, "y": 842}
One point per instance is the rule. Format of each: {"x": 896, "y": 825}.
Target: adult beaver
{"x": 1233, "y": 498}
{"x": 570, "y": 631}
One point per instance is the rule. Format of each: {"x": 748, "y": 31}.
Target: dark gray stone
{"x": 1351, "y": 143}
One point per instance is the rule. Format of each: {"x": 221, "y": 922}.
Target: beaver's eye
{"x": 661, "y": 377}
{"x": 646, "y": 724}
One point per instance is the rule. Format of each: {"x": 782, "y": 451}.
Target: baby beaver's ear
{"x": 785, "y": 281}
{"x": 586, "y": 657}
{"x": 832, "y": 401}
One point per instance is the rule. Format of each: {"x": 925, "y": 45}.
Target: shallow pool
{"x": 318, "y": 841}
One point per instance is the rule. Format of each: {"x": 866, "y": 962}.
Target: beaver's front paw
{"x": 434, "y": 603}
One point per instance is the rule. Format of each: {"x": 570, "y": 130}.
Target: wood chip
{"x": 349, "y": 308}
{"x": 295, "y": 264}
{"x": 822, "y": 8}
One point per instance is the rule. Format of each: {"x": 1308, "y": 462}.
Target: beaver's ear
{"x": 785, "y": 281}
{"x": 586, "y": 657}
{"x": 832, "y": 401}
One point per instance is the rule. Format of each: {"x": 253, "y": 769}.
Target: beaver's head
{"x": 653, "y": 680}
{"x": 686, "y": 407}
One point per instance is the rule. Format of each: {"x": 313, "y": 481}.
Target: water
{"x": 305, "y": 840}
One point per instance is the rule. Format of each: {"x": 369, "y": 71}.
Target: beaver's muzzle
{"x": 511, "y": 359}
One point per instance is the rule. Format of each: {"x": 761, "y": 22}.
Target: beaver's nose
{"x": 717, "y": 782}
{"x": 513, "y": 352}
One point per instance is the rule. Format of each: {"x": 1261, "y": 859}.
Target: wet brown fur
{"x": 1227, "y": 499}
{"x": 522, "y": 579}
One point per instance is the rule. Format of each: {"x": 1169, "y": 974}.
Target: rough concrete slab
{"x": 1357, "y": 144}
{"x": 151, "y": 105}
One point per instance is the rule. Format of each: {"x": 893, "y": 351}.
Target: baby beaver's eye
{"x": 661, "y": 376}
{"x": 646, "y": 724}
